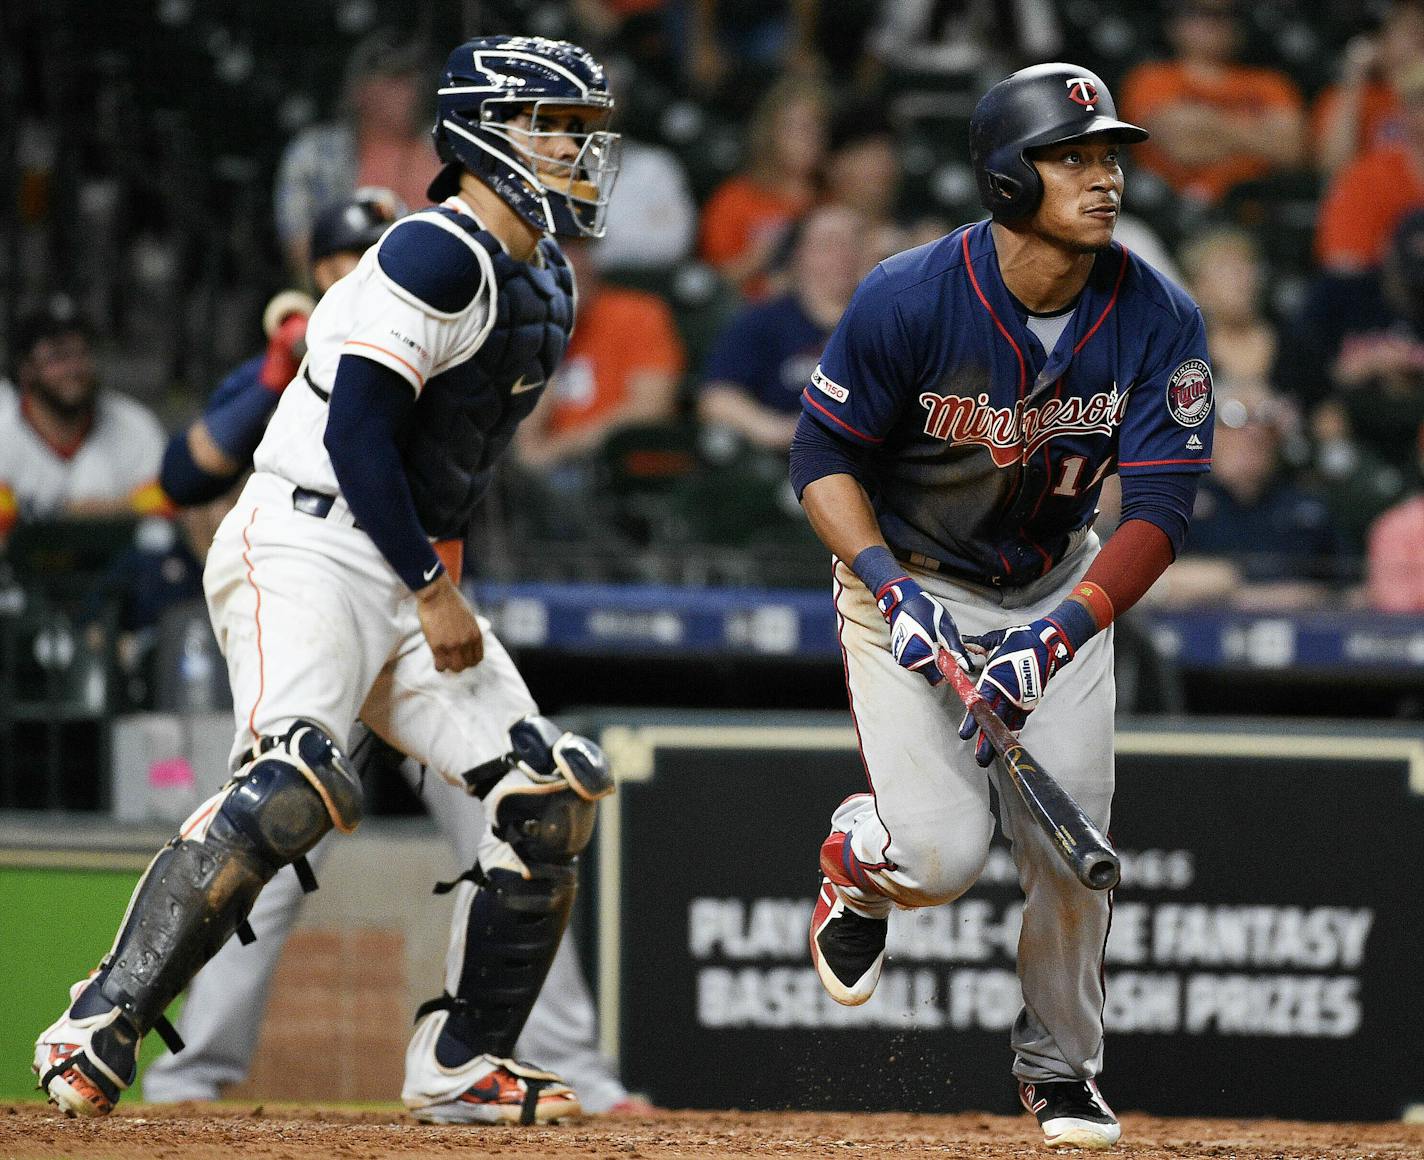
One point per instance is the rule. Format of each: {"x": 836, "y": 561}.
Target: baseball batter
{"x": 222, "y": 1017}
{"x": 331, "y": 597}
{"x": 950, "y": 453}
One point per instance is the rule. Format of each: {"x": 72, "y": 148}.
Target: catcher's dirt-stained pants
{"x": 315, "y": 624}
{"x": 222, "y": 1014}
{"x": 925, "y": 834}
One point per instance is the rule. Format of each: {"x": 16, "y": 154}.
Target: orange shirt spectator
{"x": 1362, "y": 111}
{"x": 1233, "y": 91}
{"x": 597, "y": 376}
{"x": 1377, "y": 122}
{"x": 748, "y": 215}
{"x": 744, "y": 217}
{"x": 1361, "y": 209}
{"x": 622, "y": 367}
{"x": 1365, "y": 203}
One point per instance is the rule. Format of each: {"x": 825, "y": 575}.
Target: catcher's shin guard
{"x": 202, "y": 885}
{"x": 541, "y": 803}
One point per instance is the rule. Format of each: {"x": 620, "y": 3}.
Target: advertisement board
{"x": 1263, "y": 960}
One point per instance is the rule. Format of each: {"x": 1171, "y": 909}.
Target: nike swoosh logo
{"x": 520, "y": 386}
{"x": 430, "y": 575}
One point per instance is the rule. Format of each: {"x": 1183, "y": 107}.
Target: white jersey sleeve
{"x": 419, "y": 301}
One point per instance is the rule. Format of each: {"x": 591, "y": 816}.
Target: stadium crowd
{"x": 169, "y": 163}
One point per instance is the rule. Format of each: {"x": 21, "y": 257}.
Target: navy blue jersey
{"x": 770, "y": 349}
{"x": 986, "y": 453}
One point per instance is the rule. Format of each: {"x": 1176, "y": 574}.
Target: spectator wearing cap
{"x": 759, "y": 364}
{"x": 1214, "y": 122}
{"x": 1362, "y": 110}
{"x": 1394, "y": 580}
{"x": 69, "y": 448}
{"x": 207, "y": 459}
{"x": 382, "y": 139}
{"x": 1365, "y": 202}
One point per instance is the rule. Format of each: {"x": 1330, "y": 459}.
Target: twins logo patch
{"x": 828, "y": 386}
{"x": 1189, "y": 393}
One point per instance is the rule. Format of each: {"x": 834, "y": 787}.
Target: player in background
{"x": 222, "y": 1017}
{"x": 211, "y": 454}
{"x": 332, "y": 586}
{"x": 950, "y": 452}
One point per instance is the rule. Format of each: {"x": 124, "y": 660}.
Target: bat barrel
{"x": 1099, "y": 870}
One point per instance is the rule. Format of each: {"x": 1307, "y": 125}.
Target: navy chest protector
{"x": 466, "y": 416}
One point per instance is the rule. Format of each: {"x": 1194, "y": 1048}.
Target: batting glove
{"x": 919, "y": 627}
{"x": 1018, "y": 664}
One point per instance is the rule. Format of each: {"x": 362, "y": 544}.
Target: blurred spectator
{"x": 1225, "y": 273}
{"x": 770, "y": 36}
{"x": 759, "y": 364}
{"x": 68, "y": 447}
{"x": 1214, "y": 123}
{"x": 862, "y": 172}
{"x": 1363, "y": 111}
{"x": 1395, "y": 564}
{"x": 1360, "y": 341}
{"x": 622, "y": 367}
{"x": 160, "y": 570}
{"x": 963, "y": 42}
{"x": 747, "y": 216}
{"x": 382, "y": 139}
{"x": 206, "y": 458}
{"x": 1353, "y": 479}
{"x": 1133, "y": 233}
{"x": 652, "y": 217}
{"x": 1366, "y": 200}
{"x": 1256, "y": 540}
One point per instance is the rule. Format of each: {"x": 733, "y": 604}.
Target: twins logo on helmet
{"x": 1082, "y": 91}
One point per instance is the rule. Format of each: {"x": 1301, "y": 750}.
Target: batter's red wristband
{"x": 1098, "y": 602}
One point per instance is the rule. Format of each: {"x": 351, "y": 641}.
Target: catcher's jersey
{"x": 475, "y": 334}
{"x": 986, "y": 452}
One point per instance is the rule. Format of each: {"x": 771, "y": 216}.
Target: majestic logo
{"x": 828, "y": 386}
{"x": 1013, "y": 434}
{"x": 1082, "y": 91}
{"x": 1194, "y": 442}
{"x": 1189, "y": 393}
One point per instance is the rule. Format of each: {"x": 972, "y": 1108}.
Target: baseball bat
{"x": 1076, "y": 839}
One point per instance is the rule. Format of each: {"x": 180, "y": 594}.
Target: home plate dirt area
{"x": 272, "y": 1132}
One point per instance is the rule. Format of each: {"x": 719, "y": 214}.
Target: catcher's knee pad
{"x": 202, "y": 885}
{"x": 541, "y": 803}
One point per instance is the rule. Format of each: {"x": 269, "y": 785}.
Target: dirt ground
{"x": 255, "y": 1132}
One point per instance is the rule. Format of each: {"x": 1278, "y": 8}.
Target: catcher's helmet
{"x": 355, "y": 223}
{"x": 1046, "y": 104}
{"x": 491, "y": 79}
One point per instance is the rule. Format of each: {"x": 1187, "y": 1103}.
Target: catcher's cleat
{"x": 847, "y": 948}
{"x": 494, "y": 1090}
{"x": 1072, "y": 1114}
{"x": 88, "y": 1056}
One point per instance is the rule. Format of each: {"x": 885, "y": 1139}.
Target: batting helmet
{"x": 1046, "y": 104}
{"x": 356, "y": 223}
{"x": 491, "y": 79}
